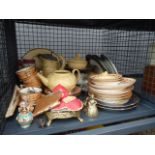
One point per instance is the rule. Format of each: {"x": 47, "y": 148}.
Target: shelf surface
{"x": 145, "y": 109}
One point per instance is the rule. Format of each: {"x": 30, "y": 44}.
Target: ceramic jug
{"x": 51, "y": 62}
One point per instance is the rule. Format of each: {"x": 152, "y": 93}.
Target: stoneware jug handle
{"x": 60, "y": 60}
{"x": 74, "y": 71}
{"x": 38, "y": 62}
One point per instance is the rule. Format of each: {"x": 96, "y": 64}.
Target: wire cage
{"x": 8, "y": 65}
{"x": 127, "y": 48}
{"x": 128, "y": 43}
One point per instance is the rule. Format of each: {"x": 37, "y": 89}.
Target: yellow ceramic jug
{"x": 51, "y": 62}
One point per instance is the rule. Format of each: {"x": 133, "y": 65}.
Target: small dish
{"x": 30, "y": 94}
{"x": 105, "y": 77}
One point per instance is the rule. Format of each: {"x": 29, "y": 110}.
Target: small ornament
{"x": 25, "y": 107}
{"x": 25, "y": 119}
{"x": 91, "y": 108}
{"x": 25, "y": 116}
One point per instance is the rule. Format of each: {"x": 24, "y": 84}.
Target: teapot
{"x": 50, "y": 62}
{"x": 77, "y": 62}
{"x": 64, "y": 77}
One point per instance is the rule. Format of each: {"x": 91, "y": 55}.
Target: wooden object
{"x": 149, "y": 79}
{"x": 14, "y": 102}
{"x": 47, "y": 102}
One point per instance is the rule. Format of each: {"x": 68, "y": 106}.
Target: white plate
{"x": 34, "y": 52}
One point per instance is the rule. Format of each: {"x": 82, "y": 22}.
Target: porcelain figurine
{"x": 25, "y": 119}
{"x": 91, "y": 109}
{"x": 25, "y": 116}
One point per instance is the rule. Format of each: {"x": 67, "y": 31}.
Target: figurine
{"x": 25, "y": 116}
{"x": 91, "y": 108}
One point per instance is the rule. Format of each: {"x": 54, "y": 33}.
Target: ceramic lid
{"x": 77, "y": 58}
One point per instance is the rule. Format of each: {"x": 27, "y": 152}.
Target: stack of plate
{"x": 111, "y": 89}
{"x": 132, "y": 103}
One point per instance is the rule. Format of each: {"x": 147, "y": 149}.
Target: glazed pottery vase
{"x": 25, "y": 119}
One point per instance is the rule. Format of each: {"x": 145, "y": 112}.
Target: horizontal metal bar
{"x": 122, "y": 129}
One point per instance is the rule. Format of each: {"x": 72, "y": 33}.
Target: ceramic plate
{"x": 36, "y": 51}
{"x": 109, "y": 63}
{"x": 117, "y": 109}
{"x": 132, "y": 102}
{"x": 104, "y": 65}
{"x": 94, "y": 64}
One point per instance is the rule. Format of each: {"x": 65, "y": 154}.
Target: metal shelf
{"x": 121, "y": 119}
{"x": 145, "y": 109}
{"x": 122, "y": 128}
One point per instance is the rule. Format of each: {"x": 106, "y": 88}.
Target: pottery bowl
{"x": 103, "y": 77}
{"x": 113, "y": 97}
{"x": 125, "y": 83}
{"x": 30, "y": 94}
{"x": 110, "y": 91}
{"x": 32, "y": 81}
{"x": 26, "y": 72}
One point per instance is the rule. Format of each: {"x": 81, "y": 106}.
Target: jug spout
{"x": 43, "y": 79}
